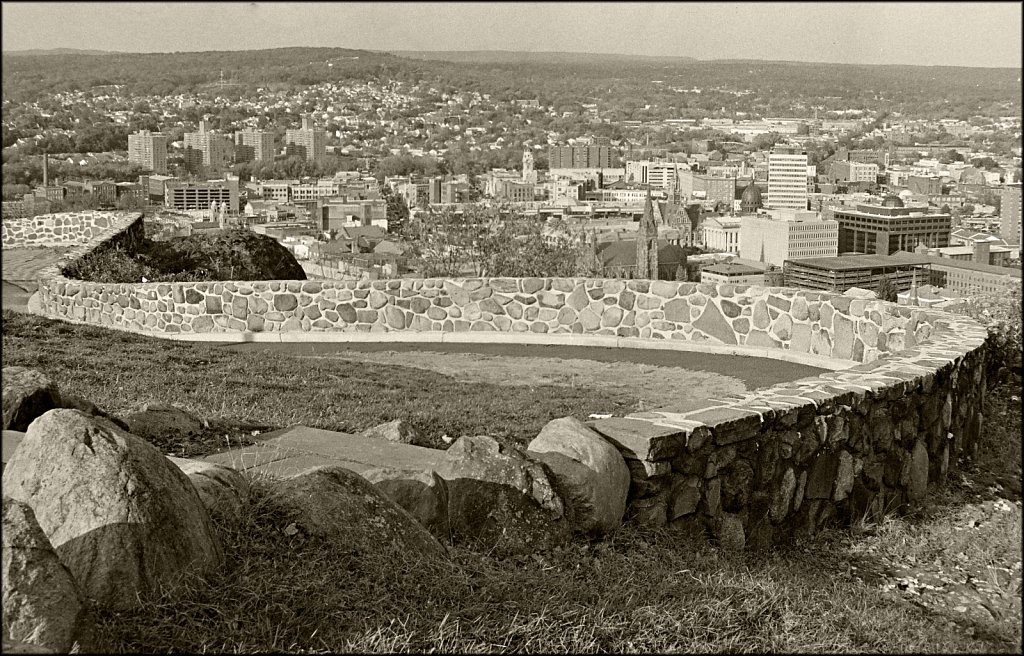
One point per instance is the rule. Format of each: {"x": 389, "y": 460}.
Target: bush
{"x": 110, "y": 265}
{"x": 1002, "y": 316}
{"x": 227, "y": 255}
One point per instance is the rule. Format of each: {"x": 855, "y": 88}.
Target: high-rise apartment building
{"x": 579, "y": 157}
{"x": 261, "y": 141}
{"x": 1009, "y": 213}
{"x": 308, "y": 141}
{"x": 787, "y": 178}
{"x": 217, "y": 149}
{"x": 148, "y": 149}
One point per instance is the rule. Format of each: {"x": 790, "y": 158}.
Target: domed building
{"x": 751, "y": 201}
{"x": 892, "y": 200}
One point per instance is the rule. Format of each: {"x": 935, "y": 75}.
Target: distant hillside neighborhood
{"x": 896, "y": 179}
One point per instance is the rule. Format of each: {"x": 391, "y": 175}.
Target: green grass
{"x": 241, "y": 392}
{"x": 634, "y": 591}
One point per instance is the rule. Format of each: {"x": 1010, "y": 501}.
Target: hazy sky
{"x": 926, "y": 33}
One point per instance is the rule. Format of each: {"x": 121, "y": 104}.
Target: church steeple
{"x": 647, "y": 243}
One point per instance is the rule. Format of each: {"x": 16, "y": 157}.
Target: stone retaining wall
{"x": 64, "y": 229}
{"x": 757, "y": 468}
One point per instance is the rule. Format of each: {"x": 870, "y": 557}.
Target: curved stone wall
{"x": 65, "y": 229}
{"x": 764, "y": 466}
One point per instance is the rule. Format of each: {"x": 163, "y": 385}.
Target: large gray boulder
{"x": 500, "y": 498}
{"x": 121, "y": 517}
{"x": 42, "y": 604}
{"x": 421, "y": 492}
{"x": 589, "y": 473}
{"x": 338, "y": 504}
{"x": 27, "y": 394}
{"x": 223, "y": 490}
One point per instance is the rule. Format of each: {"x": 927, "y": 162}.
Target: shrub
{"x": 110, "y": 265}
{"x": 1002, "y": 316}
{"x": 226, "y": 255}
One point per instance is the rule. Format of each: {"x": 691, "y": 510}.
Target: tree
{"x": 886, "y": 290}
{"x": 493, "y": 241}
{"x": 397, "y": 212}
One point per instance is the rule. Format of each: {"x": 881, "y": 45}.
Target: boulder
{"x": 501, "y": 499}
{"x": 223, "y": 490}
{"x": 422, "y": 493}
{"x": 42, "y": 603}
{"x": 399, "y": 431}
{"x": 589, "y": 474}
{"x": 27, "y": 394}
{"x": 122, "y": 518}
{"x": 157, "y": 421}
{"x": 728, "y": 530}
{"x": 11, "y": 440}
{"x": 336, "y": 503}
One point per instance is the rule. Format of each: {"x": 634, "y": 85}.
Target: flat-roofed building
{"x": 148, "y": 149}
{"x": 793, "y": 234}
{"x": 890, "y": 227}
{"x": 968, "y": 278}
{"x": 183, "y": 196}
{"x": 261, "y": 142}
{"x": 308, "y": 142}
{"x": 721, "y": 233}
{"x": 787, "y": 178}
{"x": 579, "y": 157}
{"x": 1009, "y": 213}
{"x": 732, "y": 273}
{"x": 216, "y": 150}
{"x": 840, "y": 273}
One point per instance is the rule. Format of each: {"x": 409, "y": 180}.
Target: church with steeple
{"x": 647, "y": 243}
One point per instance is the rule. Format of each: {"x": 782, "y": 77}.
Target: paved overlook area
{"x": 900, "y": 403}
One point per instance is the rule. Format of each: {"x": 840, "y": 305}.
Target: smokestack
{"x": 46, "y": 169}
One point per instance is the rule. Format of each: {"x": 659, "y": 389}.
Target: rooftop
{"x": 733, "y": 269}
{"x": 851, "y": 262}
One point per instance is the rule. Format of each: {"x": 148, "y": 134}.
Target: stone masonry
{"x": 777, "y": 462}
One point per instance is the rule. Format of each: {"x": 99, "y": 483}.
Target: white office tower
{"x": 787, "y": 178}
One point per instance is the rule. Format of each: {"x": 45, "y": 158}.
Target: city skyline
{"x": 924, "y": 34}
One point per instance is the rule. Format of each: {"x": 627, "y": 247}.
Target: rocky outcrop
{"x": 500, "y": 498}
{"x": 121, "y": 517}
{"x": 42, "y": 604}
{"x": 337, "y": 504}
{"x": 27, "y": 393}
{"x": 589, "y": 473}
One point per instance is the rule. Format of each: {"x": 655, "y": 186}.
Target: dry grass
{"x": 635, "y": 591}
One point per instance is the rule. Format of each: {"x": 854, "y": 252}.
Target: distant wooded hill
{"x": 622, "y": 84}
{"x": 36, "y": 52}
{"x": 513, "y": 57}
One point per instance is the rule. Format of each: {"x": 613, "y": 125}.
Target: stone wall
{"x": 755, "y": 468}
{"x": 767, "y": 318}
{"x": 64, "y": 229}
